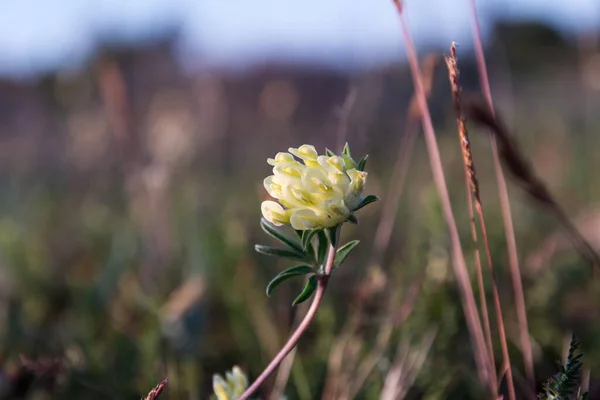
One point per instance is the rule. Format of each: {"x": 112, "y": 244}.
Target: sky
{"x": 37, "y": 35}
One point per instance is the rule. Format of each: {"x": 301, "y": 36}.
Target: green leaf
{"x": 272, "y": 251}
{"x": 307, "y": 292}
{"x": 362, "y": 163}
{"x": 282, "y": 237}
{"x": 329, "y": 153}
{"x": 323, "y": 246}
{"x": 343, "y": 252}
{"x": 352, "y": 219}
{"x": 368, "y": 200}
{"x": 291, "y": 272}
{"x": 307, "y": 238}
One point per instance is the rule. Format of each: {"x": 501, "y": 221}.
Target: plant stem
{"x": 295, "y": 338}
{"x": 509, "y": 231}
{"x": 480, "y": 350}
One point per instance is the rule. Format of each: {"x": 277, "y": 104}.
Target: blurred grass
{"x": 127, "y": 223}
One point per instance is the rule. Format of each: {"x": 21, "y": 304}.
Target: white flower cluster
{"x": 319, "y": 193}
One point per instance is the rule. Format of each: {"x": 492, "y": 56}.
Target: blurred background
{"x": 133, "y": 144}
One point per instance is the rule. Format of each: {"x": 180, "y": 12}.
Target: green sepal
{"x": 329, "y": 153}
{"x": 307, "y": 292}
{"x": 347, "y": 157}
{"x": 362, "y": 163}
{"x": 346, "y": 150}
{"x": 323, "y": 246}
{"x": 332, "y": 234}
{"x": 349, "y": 162}
{"x": 291, "y": 272}
{"x": 307, "y": 238}
{"x": 367, "y": 200}
{"x": 343, "y": 252}
{"x": 272, "y": 251}
{"x": 282, "y": 237}
{"x": 352, "y": 219}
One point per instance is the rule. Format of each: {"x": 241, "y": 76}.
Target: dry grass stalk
{"x": 486, "y": 376}
{"x": 283, "y": 375}
{"x": 471, "y": 175}
{"x": 406, "y": 366}
{"x": 395, "y": 319}
{"x": 587, "y": 222}
{"x": 509, "y": 231}
{"x": 343, "y": 114}
{"x": 157, "y": 390}
{"x": 383, "y": 233}
{"x": 523, "y": 172}
{"x": 472, "y": 189}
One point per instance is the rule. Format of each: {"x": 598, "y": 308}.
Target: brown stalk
{"x": 518, "y": 166}
{"x": 509, "y": 231}
{"x": 471, "y": 176}
{"x": 481, "y": 355}
{"x": 472, "y": 187}
{"x": 383, "y": 233}
{"x": 158, "y": 389}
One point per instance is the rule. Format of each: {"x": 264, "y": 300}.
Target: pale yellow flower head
{"x": 319, "y": 191}
{"x": 232, "y": 387}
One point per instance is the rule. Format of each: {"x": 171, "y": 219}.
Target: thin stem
{"x": 484, "y": 310}
{"x": 498, "y": 307}
{"x": 509, "y": 231}
{"x": 460, "y": 268}
{"x": 295, "y": 338}
{"x": 385, "y": 226}
{"x": 473, "y": 184}
{"x": 344, "y": 115}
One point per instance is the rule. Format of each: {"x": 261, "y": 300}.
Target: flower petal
{"x": 273, "y": 187}
{"x": 305, "y": 152}
{"x": 275, "y": 213}
{"x": 303, "y": 219}
{"x": 281, "y": 158}
{"x": 220, "y": 388}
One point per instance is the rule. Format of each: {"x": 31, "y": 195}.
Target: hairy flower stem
{"x": 295, "y": 338}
